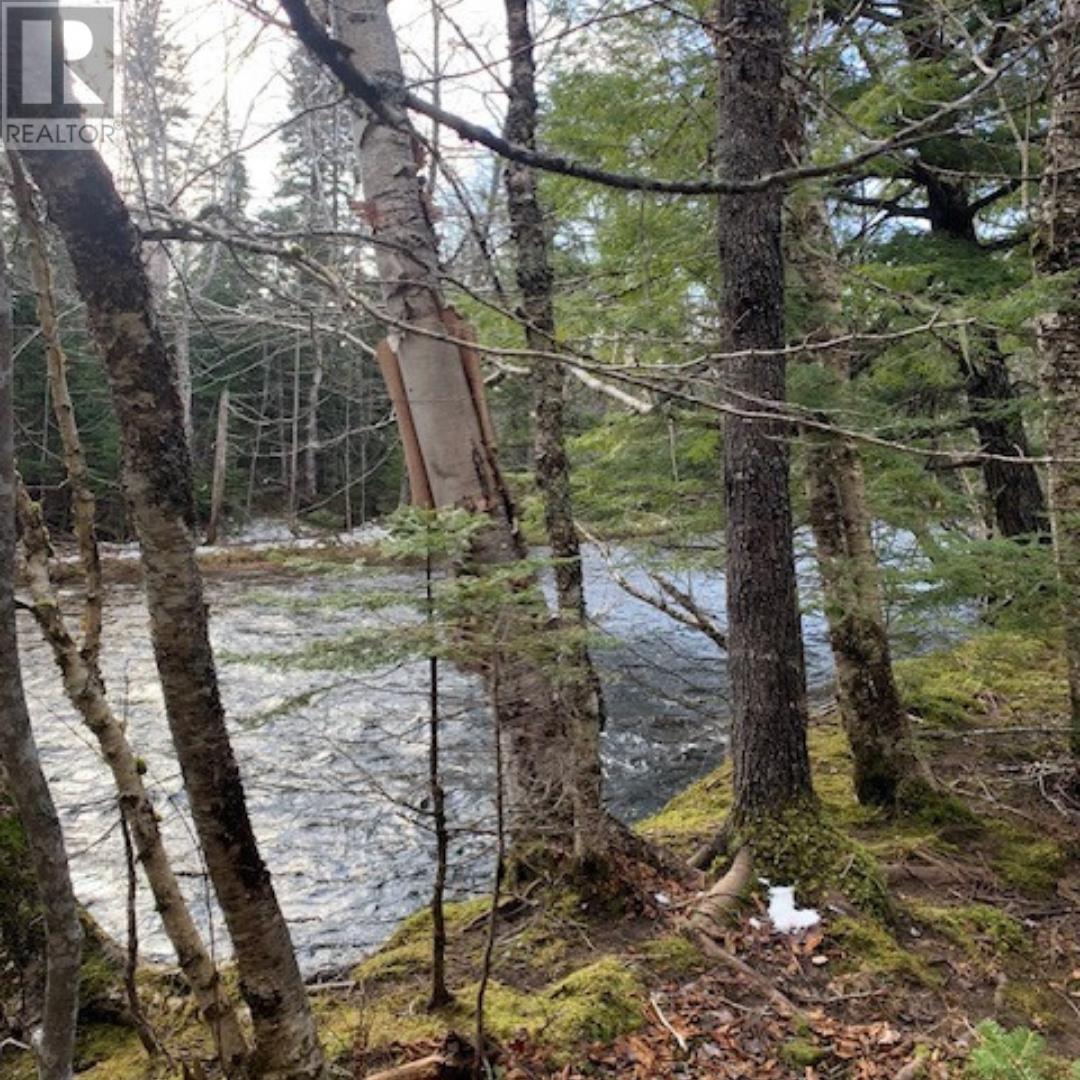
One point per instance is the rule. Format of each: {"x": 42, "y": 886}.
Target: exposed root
{"x": 725, "y": 895}
{"x": 452, "y": 1061}
{"x": 715, "y": 951}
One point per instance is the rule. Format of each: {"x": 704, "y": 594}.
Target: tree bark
{"x": 221, "y": 465}
{"x": 1014, "y": 490}
{"x": 765, "y": 650}
{"x": 79, "y": 666}
{"x": 85, "y": 689}
{"x": 24, "y": 778}
{"x": 453, "y": 439}
{"x": 311, "y": 442}
{"x": 83, "y": 504}
{"x": 551, "y": 464}
{"x": 1058, "y": 252}
{"x": 104, "y": 249}
{"x": 887, "y": 769}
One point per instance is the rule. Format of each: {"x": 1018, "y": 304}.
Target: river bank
{"x": 983, "y": 924}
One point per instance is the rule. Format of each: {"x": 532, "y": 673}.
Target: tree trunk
{"x": 79, "y": 663}
{"x": 765, "y": 649}
{"x": 24, "y": 779}
{"x": 1058, "y": 252}
{"x": 85, "y": 689}
{"x": 83, "y": 504}
{"x": 443, "y": 395}
{"x": 1014, "y": 490}
{"x": 311, "y": 442}
{"x": 104, "y": 249}
{"x": 552, "y": 467}
{"x": 221, "y": 466}
{"x": 887, "y": 769}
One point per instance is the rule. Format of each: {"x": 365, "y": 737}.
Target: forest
{"x": 540, "y": 539}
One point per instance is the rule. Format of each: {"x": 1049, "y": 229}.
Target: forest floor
{"x": 983, "y": 924}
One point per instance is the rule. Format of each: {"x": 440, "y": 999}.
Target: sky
{"x": 228, "y": 52}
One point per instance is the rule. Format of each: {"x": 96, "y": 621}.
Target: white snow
{"x": 785, "y": 916}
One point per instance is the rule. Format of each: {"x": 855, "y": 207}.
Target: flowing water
{"x": 334, "y": 761}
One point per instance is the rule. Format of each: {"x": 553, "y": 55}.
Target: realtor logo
{"x": 60, "y": 74}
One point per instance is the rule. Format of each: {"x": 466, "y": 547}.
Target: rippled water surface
{"x": 334, "y": 761}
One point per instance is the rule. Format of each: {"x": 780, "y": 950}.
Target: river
{"x": 334, "y": 761}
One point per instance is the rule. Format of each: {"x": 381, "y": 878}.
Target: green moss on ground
{"x": 802, "y": 1053}
{"x": 672, "y": 956}
{"x": 981, "y": 931}
{"x": 1026, "y": 860}
{"x": 991, "y": 674}
{"x": 869, "y": 947}
{"x": 596, "y": 1003}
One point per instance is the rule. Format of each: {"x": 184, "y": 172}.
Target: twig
{"x": 666, "y": 1024}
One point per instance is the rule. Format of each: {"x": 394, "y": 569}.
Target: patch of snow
{"x": 785, "y": 916}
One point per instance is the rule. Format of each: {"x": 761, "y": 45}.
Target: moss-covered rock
{"x": 672, "y": 956}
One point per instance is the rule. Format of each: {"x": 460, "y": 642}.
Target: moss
{"x": 804, "y": 849}
{"x": 694, "y": 813}
{"x": 983, "y": 932}
{"x": 598, "y": 1003}
{"x": 1027, "y": 861}
{"x": 672, "y": 956}
{"x": 701, "y": 809}
{"x": 988, "y": 675}
{"x": 417, "y": 927}
{"x": 869, "y": 947}
{"x": 21, "y": 937}
{"x": 397, "y": 963}
{"x": 1033, "y": 1004}
{"x": 110, "y": 1051}
{"x": 802, "y": 1053}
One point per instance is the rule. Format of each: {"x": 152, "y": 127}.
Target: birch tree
{"x": 79, "y": 663}
{"x": 435, "y": 382}
{"x": 103, "y": 246}
{"x": 23, "y": 775}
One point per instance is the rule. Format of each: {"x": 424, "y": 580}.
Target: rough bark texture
{"x": 887, "y": 768}
{"x": 535, "y": 281}
{"x": 1058, "y": 252}
{"x": 24, "y": 779}
{"x": 104, "y": 250}
{"x": 765, "y": 650}
{"x": 448, "y": 417}
{"x": 1014, "y": 490}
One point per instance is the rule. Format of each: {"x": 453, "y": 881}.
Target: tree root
{"x": 725, "y": 895}
{"x": 715, "y": 951}
{"x": 452, "y": 1061}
